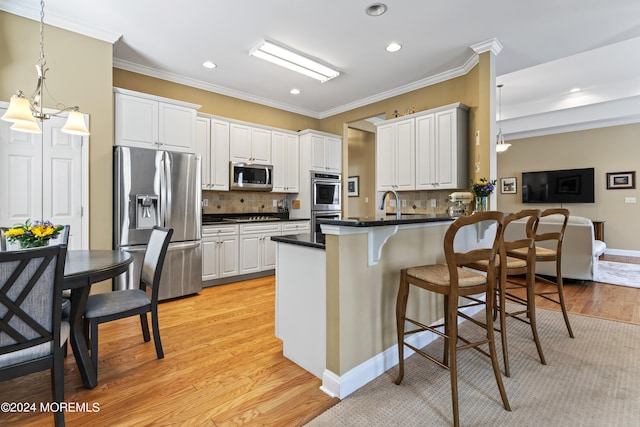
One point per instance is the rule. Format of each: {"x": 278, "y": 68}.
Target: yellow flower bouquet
{"x": 33, "y": 234}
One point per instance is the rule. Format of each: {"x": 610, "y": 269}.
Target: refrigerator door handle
{"x": 163, "y": 191}
{"x": 168, "y": 193}
{"x": 183, "y": 245}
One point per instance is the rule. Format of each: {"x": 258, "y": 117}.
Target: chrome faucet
{"x": 395, "y": 194}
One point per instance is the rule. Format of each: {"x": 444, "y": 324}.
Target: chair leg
{"x": 531, "y": 313}
{"x": 57, "y": 385}
{"x": 560, "y": 285}
{"x": 451, "y": 347}
{"x": 401, "y": 310}
{"x": 156, "y": 333}
{"x": 93, "y": 323}
{"x": 494, "y": 357}
{"x": 503, "y": 322}
{"x": 144, "y": 324}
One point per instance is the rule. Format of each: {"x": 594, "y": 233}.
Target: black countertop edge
{"x": 315, "y": 240}
{"x": 388, "y": 220}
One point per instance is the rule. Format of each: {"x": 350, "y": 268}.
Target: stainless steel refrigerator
{"x": 154, "y": 187}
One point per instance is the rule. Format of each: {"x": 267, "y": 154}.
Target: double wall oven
{"x": 326, "y": 197}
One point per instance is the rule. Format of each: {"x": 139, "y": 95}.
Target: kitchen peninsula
{"x": 335, "y": 306}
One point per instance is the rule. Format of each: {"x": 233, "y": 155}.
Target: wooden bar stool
{"x": 551, "y": 237}
{"x": 452, "y": 281}
{"x": 520, "y": 259}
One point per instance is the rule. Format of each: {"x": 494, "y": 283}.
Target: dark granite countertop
{"x": 386, "y": 220}
{"x": 312, "y": 240}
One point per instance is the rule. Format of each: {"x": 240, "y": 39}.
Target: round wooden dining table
{"x": 82, "y": 269}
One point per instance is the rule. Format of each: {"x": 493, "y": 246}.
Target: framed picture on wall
{"x": 620, "y": 180}
{"x": 352, "y": 186}
{"x": 508, "y": 185}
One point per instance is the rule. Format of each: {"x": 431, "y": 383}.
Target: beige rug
{"x": 618, "y": 273}
{"x": 592, "y": 380}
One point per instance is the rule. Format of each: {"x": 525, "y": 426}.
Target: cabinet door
{"x": 292, "y": 164}
{"x": 268, "y": 250}
{"x": 203, "y": 149}
{"x": 219, "y": 161}
{"x": 318, "y": 160}
{"x": 385, "y": 158}
{"x": 405, "y": 155}
{"x": 240, "y": 143}
{"x": 250, "y": 247}
{"x": 177, "y": 128}
{"x": 333, "y": 154}
{"x": 136, "y": 121}
{"x": 446, "y": 153}
{"x": 210, "y": 259}
{"x": 228, "y": 256}
{"x": 278, "y": 158}
{"x": 426, "y": 164}
{"x": 261, "y": 146}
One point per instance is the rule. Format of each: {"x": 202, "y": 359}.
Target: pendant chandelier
{"x": 24, "y": 112}
{"x": 501, "y": 146}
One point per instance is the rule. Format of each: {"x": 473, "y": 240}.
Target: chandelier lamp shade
{"x": 501, "y": 146}
{"x": 25, "y": 112}
{"x": 293, "y": 61}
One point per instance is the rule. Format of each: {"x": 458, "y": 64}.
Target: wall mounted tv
{"x": 559, "y": 186}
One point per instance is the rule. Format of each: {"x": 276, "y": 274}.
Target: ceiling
{"x": 548, "y": 47}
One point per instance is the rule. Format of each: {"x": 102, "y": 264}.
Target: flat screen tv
{"x": 558, "y": 186}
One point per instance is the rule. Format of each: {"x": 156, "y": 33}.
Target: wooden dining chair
{"x": 31, "y": 328}
{"x": 452, "y": 281}
{"x": 116, "y": 305}
{"x": 520, "y": 260}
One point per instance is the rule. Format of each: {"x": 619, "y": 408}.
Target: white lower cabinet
{"x": 295, "y": 227}
{"x": 257, "y": 250}
{"x": 219, "y": 251}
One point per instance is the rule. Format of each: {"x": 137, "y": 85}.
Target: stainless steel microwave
{"x": 250, "y": 176}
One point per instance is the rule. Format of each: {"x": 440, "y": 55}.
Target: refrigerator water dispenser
{"x": 146, "y": 211}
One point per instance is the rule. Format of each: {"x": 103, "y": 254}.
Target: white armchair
{"x": 580, "y": 249}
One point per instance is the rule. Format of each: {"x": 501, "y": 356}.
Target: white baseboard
{"x": 342, "y": 386}
{"x": 622, "y": 252}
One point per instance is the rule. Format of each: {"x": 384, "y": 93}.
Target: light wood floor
{"x": 223, "y": 366}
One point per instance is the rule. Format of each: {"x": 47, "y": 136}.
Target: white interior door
{"x": 42, "y": 177}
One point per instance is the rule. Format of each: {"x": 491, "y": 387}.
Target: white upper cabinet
{"x": 325, "y": 151}
{"x": 250, "y": 144}
{"x": 149, "y": 121}
{"x": 426, "y": 151}
{"x": 212, "y": 144}
{"x": 441, "y": 149}
{"x": 284, "y": 155}
{"x": 395, "y": 156}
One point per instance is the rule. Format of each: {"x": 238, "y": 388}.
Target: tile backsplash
{"x": 419, "y": 202}
{"x": 241, "y": 201}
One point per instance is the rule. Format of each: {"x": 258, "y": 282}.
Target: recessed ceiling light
{"x": 376, "y": 9}
{"x": 294, "y": 91}
{"x": 393, "y": 47}
{"x": 209, "y": 64}
{"x": 575, "y": 89}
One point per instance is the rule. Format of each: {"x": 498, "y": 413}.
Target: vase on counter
{"x": 481, "y": 204}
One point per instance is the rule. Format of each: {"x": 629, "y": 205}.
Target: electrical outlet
{"x": 433, "y": 203}
{"x": 404, "y": 203}
{"x": 477, "y": 137}
{"x": 417, "y": 203}
{"x": 205, "y": 202}
{"x": 477, "y": 166}
{"x": 629, "y": 199}
{"x": 366, "y": 200}
{"x": 275, "y": 203}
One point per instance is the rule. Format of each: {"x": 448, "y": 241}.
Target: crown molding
{"x": 492, "y": 45}
{"x": 28, "y": 11}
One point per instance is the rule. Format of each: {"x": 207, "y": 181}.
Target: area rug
{"x": 618, "y": 273}
{"x": 590, "y": 380}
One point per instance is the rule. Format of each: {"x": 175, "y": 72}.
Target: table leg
{"x": 78, "y": 340}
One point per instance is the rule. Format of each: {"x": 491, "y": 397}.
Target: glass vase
{"x": 33, "y": 244}
{"x": 481, "y": 204}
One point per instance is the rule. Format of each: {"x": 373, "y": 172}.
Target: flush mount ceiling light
{"x": 294, "y": 91}
{"x": 25, "y": 112}
{"x": 293, "y": 61}
{"x": 209, "y": 64}
{"x": 393, "y": 47}
{"x": 501, "y": 146}
{"x": 376, "y": 9}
